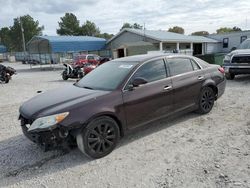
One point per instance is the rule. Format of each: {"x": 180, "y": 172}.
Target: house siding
{"x": 128, "y": 37}
{"x": 234, "y": 40}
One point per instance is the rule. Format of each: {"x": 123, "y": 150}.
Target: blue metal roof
{"x": 165, "y": 36}
{"x": 3, "y": 49}
{"x": 71, "y": 43}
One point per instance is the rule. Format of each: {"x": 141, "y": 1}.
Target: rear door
{"x": 187, "y": 78}
{"x": 152, "y": 100}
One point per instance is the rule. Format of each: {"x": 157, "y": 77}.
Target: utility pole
{"x": 22, "y": 31}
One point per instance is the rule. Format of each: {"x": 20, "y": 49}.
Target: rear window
{"x": 179, "y": 66}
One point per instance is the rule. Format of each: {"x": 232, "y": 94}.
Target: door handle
{"x": 200, "y": 77}
{"x": 166, "y": 88}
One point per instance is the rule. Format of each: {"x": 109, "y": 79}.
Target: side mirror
{"x": 139, "y": 81}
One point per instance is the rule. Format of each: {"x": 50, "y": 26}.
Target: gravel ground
{"x": 212, "y": 150}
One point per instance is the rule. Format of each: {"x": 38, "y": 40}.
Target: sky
{"x": 109, "y": 15}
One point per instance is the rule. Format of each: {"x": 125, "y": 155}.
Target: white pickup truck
{"x": 238, "y": 61}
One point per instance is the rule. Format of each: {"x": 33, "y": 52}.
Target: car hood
{"x": 239, "y": 51}
{"x": 57, "y": 101}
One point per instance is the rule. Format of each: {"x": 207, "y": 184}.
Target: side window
{"x": 152, "y": 71}
{"x": 179, "y": 66}
{"x": 195, "y": 65}
{"x": 225, "y": 42}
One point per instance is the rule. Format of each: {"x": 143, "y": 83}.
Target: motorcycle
{"x": 6, "y": 73}
{"x": 72, "y": 72}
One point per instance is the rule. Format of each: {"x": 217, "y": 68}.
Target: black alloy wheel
{"x": 206, "y": 101}
{"x": 99, "y": 138}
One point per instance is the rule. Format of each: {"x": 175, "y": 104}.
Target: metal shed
{"x": 48, "y": 48}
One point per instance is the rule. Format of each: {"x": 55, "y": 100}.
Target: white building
{"x": 229, "y": 41}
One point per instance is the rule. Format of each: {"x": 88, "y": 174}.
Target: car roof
{"x": 146, "y": 57}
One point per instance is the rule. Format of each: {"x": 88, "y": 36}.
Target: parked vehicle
{"x": 72, "y": 72}
{"x": 238, "y": 61}
{"x": 89, "y": 67}
{"x": 81, "y": 65}
{"x": 81, "y": 60}
{"x": 6, "y": 73}
{"x": 119, "y": 96}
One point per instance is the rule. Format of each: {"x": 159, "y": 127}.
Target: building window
{"x": 242, "y": 38}
{"x": 225, "y": 42}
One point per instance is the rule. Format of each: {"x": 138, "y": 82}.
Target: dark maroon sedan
{"x": 119, "y": 96}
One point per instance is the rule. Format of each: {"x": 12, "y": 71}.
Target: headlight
{"x": 227, "y": 58}
{"x": 48, "y": 122}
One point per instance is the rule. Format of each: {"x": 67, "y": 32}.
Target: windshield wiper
{"x": 86, "y": 87}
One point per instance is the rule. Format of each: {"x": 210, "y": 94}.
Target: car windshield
{"x": 107, "y": 76}
{"x": 245, "y": 45}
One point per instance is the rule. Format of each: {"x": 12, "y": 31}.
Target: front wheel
{"x": 7, "y": 79}
{"x": 99, "y": 137}
{"x": 64, "y": 75}
{"x": 206, "y": 100}
{"x": 230, "y": 76}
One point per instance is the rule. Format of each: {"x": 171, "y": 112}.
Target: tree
{"x": 69, "y": 25}
{"x": 133, "y": 26}
{"x": 227, "y": 30}
{"x": 90, "y": 29}
{"x": 176, "y": 29}
{"x": 105, "y": 35}
{"x": 137, "y": 26}
{"x": 235, "y": 28}
{"x": 5, "y": 38}
{"x": 200, "y": 33}
{"x": 12, "y": 36}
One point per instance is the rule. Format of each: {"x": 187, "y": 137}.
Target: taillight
{"x": 221, "y": 69}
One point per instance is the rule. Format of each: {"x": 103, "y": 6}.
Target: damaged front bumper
{"x": 48, "y": 139}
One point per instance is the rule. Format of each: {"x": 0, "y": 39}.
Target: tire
{"x": 206, "y": 100}
{"x": 64, "y": 75}
{"x": 81, "y": 75}
{"x": 99, "y": 137}
{"x": 7, "y": 79}
{"x": 230, "y": 76}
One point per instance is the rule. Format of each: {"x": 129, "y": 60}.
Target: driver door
{"x": 149, "y": 101}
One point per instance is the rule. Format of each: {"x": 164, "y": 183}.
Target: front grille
{"x": 241, "y": 59}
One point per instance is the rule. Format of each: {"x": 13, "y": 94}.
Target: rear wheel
{"x": 206, "y": 101}
{"x": 81, "y": 75}
{"x": 64, "y": 75}
{"x": 230, "y": 76}
{"x": 99, "y": 137}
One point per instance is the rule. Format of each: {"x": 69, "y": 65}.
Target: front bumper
{"x": 237, "y": 68}
{"x": 49, "y": 139}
